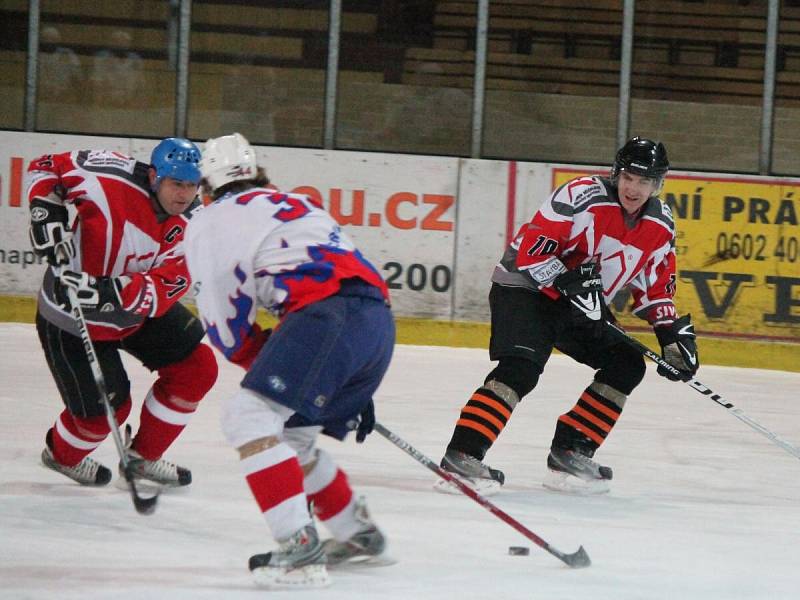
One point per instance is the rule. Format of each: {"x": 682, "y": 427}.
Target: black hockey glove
{"x": 94, "y": 293}
{"x": 50, "y": 236}
{"x": 366, "y": 422}
{"x": 583, "y": 288}
{"x": 679, "y": 348}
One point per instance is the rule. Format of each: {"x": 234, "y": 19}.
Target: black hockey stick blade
{"x": 143, "y": 505}
{"x": 577, "y": 560}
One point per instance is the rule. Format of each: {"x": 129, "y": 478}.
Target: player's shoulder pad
{"x": 105, "y": 159}
{"x": 582, "y": 192}
{"x": 660, "y": 211}
{"x": 114, "y": 164}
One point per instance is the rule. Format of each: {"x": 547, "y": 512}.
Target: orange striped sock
{"x": 480, "y": 422}
{"x": 589, "y": 421}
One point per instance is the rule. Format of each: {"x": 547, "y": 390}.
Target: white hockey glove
{"x": 50, "y": 236}
{"x": 94, "y": 293}
{"x": 679, "y": 348}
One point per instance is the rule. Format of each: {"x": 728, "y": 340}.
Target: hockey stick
{"x": 575, "y": 560}
{"x": 144, "y": 506}
{"x": 706, "y": 391}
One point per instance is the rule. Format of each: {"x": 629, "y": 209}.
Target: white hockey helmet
{"x": 226, "y": 159}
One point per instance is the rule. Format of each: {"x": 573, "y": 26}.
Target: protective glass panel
{"x": 13, "y": 47}
{"x": 552, "y": 86}
{"x": 697, "y": 82}
{"x": 258, "y": 70}
{"x": 405, "y": 78}
{"x": 786, "y": 136}
{"x": 107, "y": 67}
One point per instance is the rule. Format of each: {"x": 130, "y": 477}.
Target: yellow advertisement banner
{"x": 738, "y": 253}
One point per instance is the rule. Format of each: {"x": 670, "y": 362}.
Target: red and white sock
{"x": 172, "y": 400}
{"x": 76, "y": 437}
{"x": 275, "y": 478}
{"x": 332, "y": 497}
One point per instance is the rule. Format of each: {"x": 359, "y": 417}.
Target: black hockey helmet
{"x": 642, "y": 157}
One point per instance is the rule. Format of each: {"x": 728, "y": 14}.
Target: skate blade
{"x": 485, "y": 487}
{"x": 89, "y": 484}
{"x": 564, "y": 483}
{"x": 361, "y": 561}
{"x": 273, "y": 578}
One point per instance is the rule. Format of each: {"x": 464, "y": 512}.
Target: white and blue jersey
{"x": 263, "y": 248}
{"x": 284, "y": 253}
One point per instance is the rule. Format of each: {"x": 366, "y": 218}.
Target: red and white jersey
{"x": 583, "y": 221}
{"x": 263, "y": 248}
{"x": 120, "y": 230}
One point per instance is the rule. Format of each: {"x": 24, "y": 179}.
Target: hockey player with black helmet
{"x": 593, "y": 237}
{"x": 123, "y": 255}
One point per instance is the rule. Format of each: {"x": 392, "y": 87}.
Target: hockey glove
{"x": 366, "y": 422}
{"x": 50, "y": 236}
{"x": 94, "y": 293}
{"x": 679, "y": 348}
{"x": 583, "y": 288}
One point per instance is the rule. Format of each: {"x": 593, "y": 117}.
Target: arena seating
{"x": 706, "y": 51}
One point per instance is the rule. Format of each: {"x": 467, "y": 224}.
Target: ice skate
{"x": 160, "y": 472}
{"x": 366, "y": 547}
{"x": 86, "y": 472}
{"x": 480, "y": 477}
{"x": 573, "y": 472}
{"x": 299, "y": 562}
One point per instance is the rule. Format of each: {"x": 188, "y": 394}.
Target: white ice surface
{"x": 701, "y": 506}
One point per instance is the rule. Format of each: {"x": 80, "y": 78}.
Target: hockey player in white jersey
{"x": 317, "y": 372}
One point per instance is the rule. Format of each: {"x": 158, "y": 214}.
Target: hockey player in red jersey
{"x": 591, "y": 238}
{"x": 124, "y": 257}
{"x": 315, "y": 374}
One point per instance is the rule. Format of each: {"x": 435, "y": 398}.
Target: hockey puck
{"x": 519, "y": 550}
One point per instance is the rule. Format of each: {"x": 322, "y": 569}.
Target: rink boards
{"x": 436, "y": 226}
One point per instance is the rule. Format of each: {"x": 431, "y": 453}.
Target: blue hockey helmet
{"x": 177, "y": 158}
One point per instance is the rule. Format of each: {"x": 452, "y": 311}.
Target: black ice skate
{"x": 367, "y": 546}
{"x": 161, "y": 472}
{"x": 480, "y": 477}
{"x": 572, "y": 471}
{"x": 86, "y": 472}
{"x": 299, "y": 562}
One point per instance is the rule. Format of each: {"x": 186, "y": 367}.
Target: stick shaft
{"x": 569, "y": 559}
{"x": 706, "y": 391}
{"x": 142, "y": 505}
